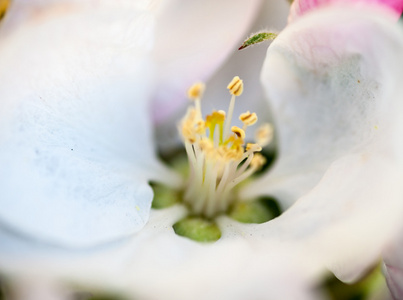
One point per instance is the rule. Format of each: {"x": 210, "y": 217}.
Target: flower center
{"x": 219, "y": 158}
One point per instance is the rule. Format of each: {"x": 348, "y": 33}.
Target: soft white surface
{"x": 346, "y": 220}
{"x": 158, "y": 264}
{"x": 75, "y": 136}
{"x": 37, "y": 289}
{"x": 333, "y": 81}
{"x": 333, "y": 91}
{"x": 33, "y": 12}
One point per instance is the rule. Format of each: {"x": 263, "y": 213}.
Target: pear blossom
{"x": 76, "y": 141}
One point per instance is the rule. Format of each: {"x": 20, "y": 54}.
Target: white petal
{"x": 193, "y": 39}
{"x": 38, "y": 289}
{"x": 33, "y": 12}
{"x": 76, "y": 147}
{"x": 332, "y": 89}
{"x": 332, "y": 78}
{"x": 228, "y": 269}
{"x": 157, "y": 264}
{"x": 347, "y": 219}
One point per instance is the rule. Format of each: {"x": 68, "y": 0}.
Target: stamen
{"x": 235, "y": 88}
{"x": 195, "y": 93}
{"x": 238, "y": 132}
{"x": 248, "y": 119}
{"x": 200, "y": 127}
{"x": 188, "y": 128}
{"x": 258, "y": 161}
{"x": 218, "y": 160}
{"x": 264, "y": 134}
{"x": 253, "y": 147}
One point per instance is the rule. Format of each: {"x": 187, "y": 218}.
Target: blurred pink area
{"x": 300, "y": 7}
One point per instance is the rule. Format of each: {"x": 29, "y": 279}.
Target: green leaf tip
{"x": 197, "y": 229}
{"x": 257, "y": 38}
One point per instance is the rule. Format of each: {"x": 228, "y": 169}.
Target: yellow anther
{"x": 208, "y": 148}
{"x": 248, "y": 118}
{"x": 206, "y": 145}
{"x": 222, "y": 150}
{"x": 225, "y": 154}
{"x": 238, "y": 132}
{"x": 258, "y": 161}
{"x": 232, "y": 153}
{"x": 200, "y": 127}
{"x": 235, "y": 86}
{"x": 188, "y": 133}
{"x": 264, "y": 134}
{"x": 235, "y": 141}
{"x": 191, "y": 126}
{"x": 190, "y": 116}
{"x": 238, "y": 153}
{"x": 3, "y": 7}
{"x": 253, "y": 147}
{"x": 195, "y": 91}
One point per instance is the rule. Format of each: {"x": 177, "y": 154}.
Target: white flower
{"x": 77, "y": 152}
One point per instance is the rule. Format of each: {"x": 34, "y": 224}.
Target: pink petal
{"x": 394, "y": 278}
{"x": 393, "y": 267}
{"x": 300, "y": 7}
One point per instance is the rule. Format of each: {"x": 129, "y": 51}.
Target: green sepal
{"x": 257, "y": 211}
{"x": 105, "y": 297}
{"x": 164, "y": 196}
{"x": 257, "y": 38}
{"x": 368, "y": 286}
{"x": 197, "y": 229}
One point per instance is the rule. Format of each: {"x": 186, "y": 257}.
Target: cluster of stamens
{"x": 218, "y": 156}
